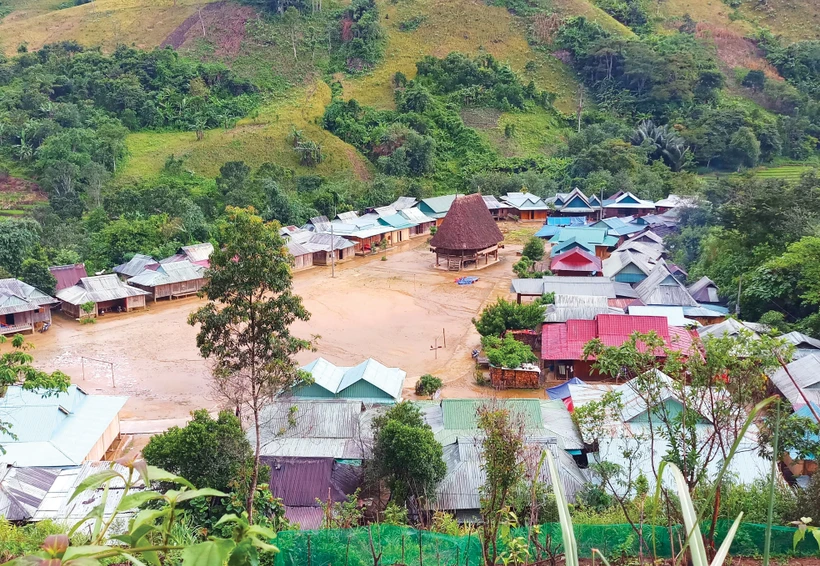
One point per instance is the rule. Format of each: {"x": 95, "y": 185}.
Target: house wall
{"x": 311, "y": 390}
{"x": 31, "y": 319}
{"x": 302, "y": 262}
{"x": 364, "y": 390}
{"x": 102, "y": 445}
{"x": 630, "y": 274}
{"x": 531, "y": 215}
{"x": 172, "y": 289}
{"x": 514, "y": 378}
{"x": 75, "y": 311}
{"x": 563, "y": 273}
{"x": 421, "y": 229}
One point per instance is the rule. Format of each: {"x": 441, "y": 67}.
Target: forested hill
{"x": 127, "y": 126}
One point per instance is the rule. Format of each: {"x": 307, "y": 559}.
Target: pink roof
{"x": 68, "y": 275}
{"x": 566, "y": 341}
{"x": 575, "y": 259}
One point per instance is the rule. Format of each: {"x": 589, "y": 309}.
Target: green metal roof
{"x": 460, "y": 414}
{"x": 587, "y": 235}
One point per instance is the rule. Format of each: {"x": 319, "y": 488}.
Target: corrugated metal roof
{"x": 491, "y": 202}
{"x": 321, "y": 223}
{"x": 439, "y": 205}
{"x": 168, "y": 273}
{"x": 576, "y": 260}
{"x": 56, "y": 506}
{"x": 296, "y": 249}
{"x": 301, "y": 481}
{"x": 804, "y": 345}
{"x": 591, "y": 286}
{"x": 416, "y": 215}
{"x": 16, "y": 296}
{"x": 673, "y": 314}
{"x": 661, "y": 288}
{"x": 806, "y": 372}
{"x": 397, "y": 221}
{"x": 729, "y": 327}
{"x": 336, "y": 378}
{"x": 198, "y": 252}
{"x": 60, "y": 430}
{"x": 628, "y": 200}
{"x": 704, "y": 290}
{"x": 621, "y": 259}
{"x": 98, "y": 289}
{"x": 68, "y": 275}
{"x": 558, "y": 420}
{"x": 461, "y": 414}
{"x": 22, "y": 490}
{"x": 460, "y": 488}
{"x": 578, "y": 307}
{"x": 135, "y": 265}
{"x": 308, "y": 518}
{"x": 403, "y": 203}
{"x": 525, "y": 201}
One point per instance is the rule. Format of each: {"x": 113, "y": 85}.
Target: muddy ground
{"x": 394, "y": 311}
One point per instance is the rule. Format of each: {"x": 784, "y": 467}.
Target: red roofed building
{"x": 576, "y": 262}
{"x": 562, "y": 345}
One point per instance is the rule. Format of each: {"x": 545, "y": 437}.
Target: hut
{"x": 107, "y": 293}
{"x": 169, "y": 280}
{"x": 22, "y": 307}
{"x": 468, "y": 237}
{"x": 302, "y": 257}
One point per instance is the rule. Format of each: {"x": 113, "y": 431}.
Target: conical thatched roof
{"x": 467, "y": 226}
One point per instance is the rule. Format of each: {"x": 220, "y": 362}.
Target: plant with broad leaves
{"x": 804, "y": 526}
{"x": 149, "y": 539}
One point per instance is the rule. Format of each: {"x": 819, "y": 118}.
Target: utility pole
{"x": 739, "y": 287}
{"x": 333, "y": 239}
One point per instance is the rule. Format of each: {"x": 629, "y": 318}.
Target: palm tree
{"x": 667, "y": 143}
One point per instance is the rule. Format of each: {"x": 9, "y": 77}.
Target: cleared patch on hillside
{"x": 734, "y": 50}
{"x": 592, "y": 12}
{"x": 254, "y": 140}
{"x": 18, "y": 196}
{"x": 516, "y": 134}
{"x": 791, "y": 172}
{"x": 712, "y": 12}
{"x": 102, "y": 22}
{"x": 795, "y": 20}
{"x": 222, "y": 23}
{"x": 466, "y": 26}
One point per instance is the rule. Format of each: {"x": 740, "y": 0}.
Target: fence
{"x": 387, "y": 545}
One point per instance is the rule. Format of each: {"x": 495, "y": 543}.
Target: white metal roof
{"x": 98, "y": 289}
{"x": 16, "y": 296}
{"x": 336, "y": 378}
{"x": 167, "y": 273}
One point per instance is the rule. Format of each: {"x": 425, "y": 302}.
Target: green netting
{"x": 402, "y": 545}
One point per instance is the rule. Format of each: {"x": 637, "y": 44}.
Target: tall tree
{"x": 245, "y": 327}
{"x": 502, "y": 451}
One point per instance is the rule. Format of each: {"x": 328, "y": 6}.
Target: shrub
{"x": 427, "y": 384}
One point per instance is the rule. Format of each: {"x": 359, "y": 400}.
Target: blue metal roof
{"x": 397, "y": 221}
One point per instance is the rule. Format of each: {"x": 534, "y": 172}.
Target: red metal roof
{"x": 566, "y": 341}
{"x": 576, "y": 259}
{"x": 68, "y": 275}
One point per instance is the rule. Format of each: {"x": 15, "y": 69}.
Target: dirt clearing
{"x": 394, "y": 311}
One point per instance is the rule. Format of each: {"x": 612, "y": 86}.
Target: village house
{"x": 547, "y": 425}
{"x": 803, "y": 345}
{"x": 554, "y": 225}
{"x": 498, "y": 210}
{"x": 733, "y": 328}
{"x": 575, "y": 204}
{"x": 135, "y": 266}
{"x": 577, "y": 307}
{"x": 23, "y": 308}
{"x": 67, "y": 275}
{"x": 316, "y": 428}
{"x": 674, "y": 315}
{"x": 437, "y": 207}
{"x": 39, "y": 493}
{"x": 594, "y": 240}
{"x": 322, "y": 246}
{"x": 198, "y": 254}
{"x": 626, "y": 204}
{"x": 170, "y": 280}
{"x": 705, "y": 291}
{"x": 304, "y": 484}
{"x": 624, "y": 435}
{"x": 367, "y": 234}
{"x": 107, "y": 293}
{"x": 65, "y": 429}
{"x": 576, "y": 262}
{"x": 674, "y": 201}
{"x": 662, "y": 289}
{"x": 619, "y": 227}
{"x": 562, "y": 344}
{"x": 526, "y": 206}
{"x": 468, "y": 238}
{"x": 370, "y": 382}
{"x": 626, "y": 266}
{"x": 617, "y": 294}
{"x": 805, "y": 388}
{"x": 302, "y": 257}
{"x": 422, "y": 223}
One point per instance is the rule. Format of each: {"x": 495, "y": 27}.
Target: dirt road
{"x": 394, "y": 311}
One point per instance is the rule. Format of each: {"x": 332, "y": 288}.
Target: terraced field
{"x": 788, "y": 172}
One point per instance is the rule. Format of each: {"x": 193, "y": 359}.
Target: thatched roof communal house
{"x": 468, "y": 237}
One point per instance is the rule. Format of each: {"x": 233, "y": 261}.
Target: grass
{"x": 254, "y": 140}
{"x": 101, "y": 22}
{"x": 788, "y": 172}
{"x": 456, "y": 25}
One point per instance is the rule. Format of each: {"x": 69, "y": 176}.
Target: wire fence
{"x": 386, "y": 545}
